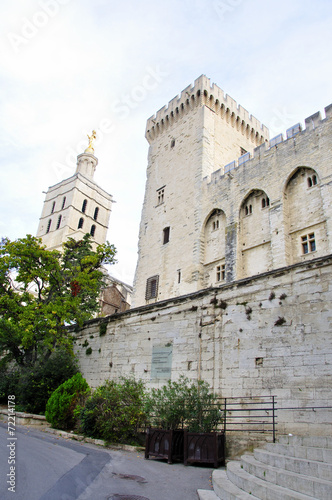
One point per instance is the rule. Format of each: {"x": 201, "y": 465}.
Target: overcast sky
{"x": 70, "y": 66}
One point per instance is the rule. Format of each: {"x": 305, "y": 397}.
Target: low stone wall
{"x": 267, "y": 335}
{"x": 25, "y": 418}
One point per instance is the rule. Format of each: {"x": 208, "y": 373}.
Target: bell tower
{"x": 76, "y": 206}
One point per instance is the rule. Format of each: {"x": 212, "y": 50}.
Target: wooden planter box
{"x": 204, "y": 447}
{"x": 167, "y": 444}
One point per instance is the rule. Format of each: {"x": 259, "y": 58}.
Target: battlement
{"x": 202, "y": 93}
{"x": 311, "y": 123}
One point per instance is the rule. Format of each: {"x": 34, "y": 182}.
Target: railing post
{"x": 225, "y": 408}
{"x": 273, "y": 420}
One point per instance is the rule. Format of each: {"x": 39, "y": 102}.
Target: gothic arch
{"x": 214, "y": 246}
{"x": 254, "y": 239}
{"x": 304, "y": 219}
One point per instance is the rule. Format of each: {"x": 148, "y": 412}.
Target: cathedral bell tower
{"x": 76, "y": 206}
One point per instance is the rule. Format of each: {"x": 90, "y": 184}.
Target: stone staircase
{"x": 295, "y": 468}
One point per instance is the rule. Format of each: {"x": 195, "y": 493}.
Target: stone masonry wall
{"x": 265, "y": 335}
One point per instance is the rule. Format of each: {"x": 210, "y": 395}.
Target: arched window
{"x": 63, "y": 202}
{"x": 312, "y": 181}
{"x": 95, "y": 215}
{"x": 265, "y": 202}
{"x": 85, "y": 202}
{"x": 48, "y": 226}
{"x": 93, "y": 230}
{"x": 59, "y": 222}
{"x": 53, "y": 207}
{"x": 80, "y": 223}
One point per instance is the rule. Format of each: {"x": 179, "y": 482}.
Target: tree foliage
{"x": 43, "y": 291}
{"x": 184, "y": 403}
{"x": 33, "y": 384}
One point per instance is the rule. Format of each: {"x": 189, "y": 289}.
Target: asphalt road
{"x": 48, "y": 467}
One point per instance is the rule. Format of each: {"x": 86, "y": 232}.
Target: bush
{"x": 165, "y": 407}
{"x": 62, "y": 403}
{"x": 184, "y": 404}
{"x": 33, "y": 385}
{"x": 115, "y": 411}
{"x": 203, "y": 413}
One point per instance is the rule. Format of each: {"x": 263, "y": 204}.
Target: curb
{"x": 42, "y": 425}
{"x": 98, "y": 442}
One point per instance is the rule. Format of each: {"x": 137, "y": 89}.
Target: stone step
{"x": 312, "y": 441}
{"x": 259, "y": 487}
{"x": 207, "y": 495}
{"x": 226, "y": 490}
{"x": 298, "y": 451}
{"x": 313, "y": 468}
{"x": 307, "y": 485}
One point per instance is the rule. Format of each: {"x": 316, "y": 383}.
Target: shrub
{"x": 63, "y": 401}
{"x": 203, "y": 413}
{"x": 115, "y": 411}
{"x": 33, "y": 385}
{"x": 184, "y": 404}
{"x": 165, "y": 407}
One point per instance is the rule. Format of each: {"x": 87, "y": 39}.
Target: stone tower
{"x": 76, "y": 206}
{"x": 199, "y": 132}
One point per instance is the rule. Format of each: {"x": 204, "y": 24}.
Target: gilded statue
{"x": 92, "y": 138}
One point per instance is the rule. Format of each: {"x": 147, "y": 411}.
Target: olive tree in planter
{"x": 182, "y": 404}
{"x": 165, "y": 408}
{"x": 202, "y": 443}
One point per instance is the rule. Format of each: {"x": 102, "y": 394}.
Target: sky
{"x": 70, "y": 66}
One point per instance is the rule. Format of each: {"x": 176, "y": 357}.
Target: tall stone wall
{"x": 265, "y": 335}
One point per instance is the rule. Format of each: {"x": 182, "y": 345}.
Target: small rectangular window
{"x": 220, "y": 273}
{"x": 160, "y": 195}
{"x": 308, "y": 243}
{"x": 166, "y": 232}
{"x": 151, "y": 291}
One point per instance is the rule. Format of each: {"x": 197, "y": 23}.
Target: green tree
{"x": 43, "y": 291}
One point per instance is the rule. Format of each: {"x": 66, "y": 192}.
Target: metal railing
{"x": 250, "y": 414}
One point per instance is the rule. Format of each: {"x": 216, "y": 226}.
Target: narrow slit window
{"x": 48, "y": 226}
{"x": 95, "y": 215}
{"x": 166, "y": 232}
{"x": 93, "y": 230}
{"x": 80, "y": 223}
{"x": 85, "y": 202}
{"x": 53, "y": 207}
{"x": 59, "y": 222}
{"x": 63, "y": 202}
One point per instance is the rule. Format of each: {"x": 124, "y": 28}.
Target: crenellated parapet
{"x": 293, "y": 134}
{"x": 202, "y": 93}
